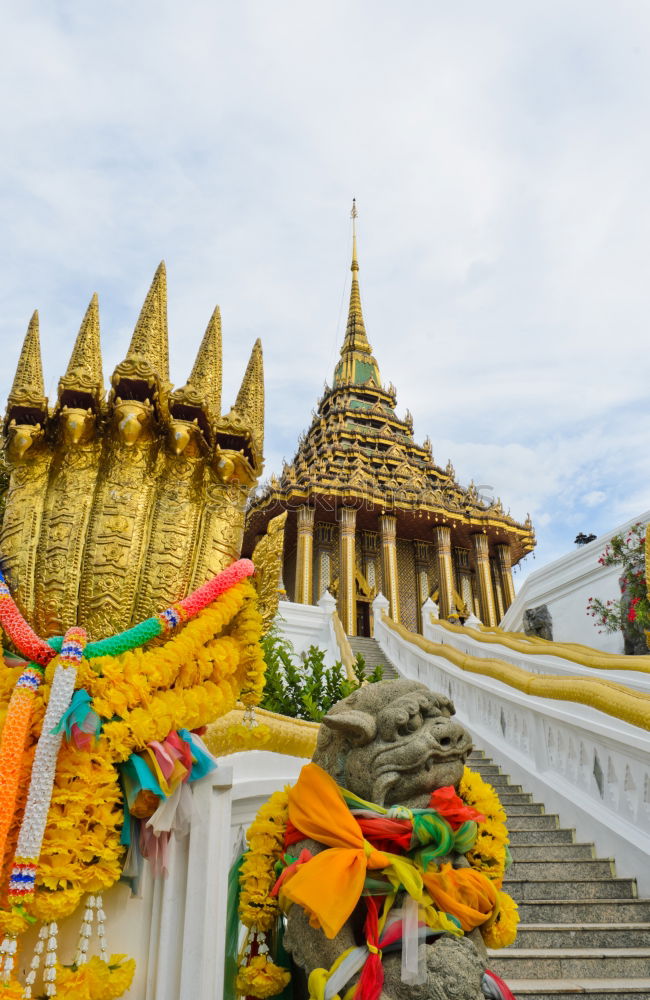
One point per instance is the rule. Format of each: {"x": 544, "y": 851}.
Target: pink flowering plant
{"x": 631, "y": 613}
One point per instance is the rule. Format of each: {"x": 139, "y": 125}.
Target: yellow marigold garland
{"x": 265, "y": 838}
{"x": 489, "y": 855}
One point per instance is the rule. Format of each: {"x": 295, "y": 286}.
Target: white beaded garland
{"x": 7, "y": 951}
{"x": 32, "y": 830}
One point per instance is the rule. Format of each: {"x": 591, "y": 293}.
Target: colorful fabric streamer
{"x": 79, "y": 722}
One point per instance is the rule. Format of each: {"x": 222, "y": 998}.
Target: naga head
{"x": 131, "y": 418}
{"x": 235, "y": 455}
{"x": 184, "y": 437}
{"x": 393, "y": 742}
{"x": 20, "y": 438}
{"x": 77, "y": 425}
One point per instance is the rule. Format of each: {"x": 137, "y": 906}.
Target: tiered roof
{"x": 358, "y": 452}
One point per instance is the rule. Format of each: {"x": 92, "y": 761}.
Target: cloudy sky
{"x": 500, "y": 156}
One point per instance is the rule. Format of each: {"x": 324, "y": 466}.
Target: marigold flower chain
{"x": 265, "y": 838}
{"x": 489, "y": 854}
{"x": 128, "y": 681}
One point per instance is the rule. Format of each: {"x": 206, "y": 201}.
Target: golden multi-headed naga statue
{"x": 119, "y": 505}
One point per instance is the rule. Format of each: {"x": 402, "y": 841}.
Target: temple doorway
{"x": 363, "y": 619}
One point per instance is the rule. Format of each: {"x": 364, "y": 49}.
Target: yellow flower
{"x": 489, "y": 852}
{"x": 12, "y": 923}
{"x": 95, "y": 980}
{"x": 503, "y": 931}
{"x": 48, "y": 906}
{"x": 12, "y": 990}
{"x": 261, "y": 978}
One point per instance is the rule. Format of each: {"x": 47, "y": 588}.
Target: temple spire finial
{"x": 353, "y": 215}
{"x": 28, "y": 383}
{"x": 203, "y": 387}
{"x": 84, "y": 371}
{"x": 150, "y": 337}
{"x": 357, "y": 362}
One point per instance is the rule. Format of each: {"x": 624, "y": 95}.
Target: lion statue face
{"x": 393, "y": 742}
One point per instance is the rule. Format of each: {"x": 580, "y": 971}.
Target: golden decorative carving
{"x": 28, "y": 461}
{"x": 117, "y": 508}
{"x": 267, "y": 557}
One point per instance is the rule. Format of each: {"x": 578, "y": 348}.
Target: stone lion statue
{"x": 393, "y": 743}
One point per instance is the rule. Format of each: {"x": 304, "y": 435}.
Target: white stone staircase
{"x": 583, "y": 931}
{"x": 373, "y": 656}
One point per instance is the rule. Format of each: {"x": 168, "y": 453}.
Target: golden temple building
{"x": 369, "y": 511}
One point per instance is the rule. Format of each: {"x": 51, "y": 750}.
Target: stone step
{"x": 570, "y": 963}
{"x": 373, "y": 655}
{"x": 586, "y": 989}
{"x": 583, "y": 911}
{"x": 568, "y": 871}
{"x": 616, "y": 935}
{"x": 526, "y": 809}
{"x": 527, "y": 821}
{"x": 600, "y": 888}
{"x": 509, "y": 796}
{"x": 500, "y": 783}
{"x": 552, "y": 852}
{"x": 583, "y": 931}
{"x": 559, "y": 835}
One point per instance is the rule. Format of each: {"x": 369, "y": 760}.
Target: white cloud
{"x": 500, "y": 159}
{"x": 594, "y": 498}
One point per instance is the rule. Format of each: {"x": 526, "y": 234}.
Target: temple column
{"x": 497, "y": 589}
{"x": 304, "y": 555}
{"x": 324, "y": 541}
{"x": 504, "y": 560}
{"x": 442, "y": 535}
{"x": 347, "y": 583}
{"x": 484, "y": 579}
{"x": 422, "y": 576}
{"x": 464, "y": 577}
{"x": 369, "y": 548}
{"x": 388, "y": 525}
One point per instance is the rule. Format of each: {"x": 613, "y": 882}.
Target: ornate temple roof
{"x": 359, "y": 452}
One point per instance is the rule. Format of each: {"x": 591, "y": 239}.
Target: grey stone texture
{"x": 538, "y": 621}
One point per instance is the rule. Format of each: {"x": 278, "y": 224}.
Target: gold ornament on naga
{"x": 118, "y": 505}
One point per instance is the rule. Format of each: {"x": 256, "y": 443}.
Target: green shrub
{"x": 306, "y": 690}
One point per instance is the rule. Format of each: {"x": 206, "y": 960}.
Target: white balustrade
{"x": 535, "y": 662}
{"x": 592, "y": 769}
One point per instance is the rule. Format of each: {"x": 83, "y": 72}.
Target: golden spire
{"x": 28, "y": 387}
{"x": 84, "y": 371}
{"x": 355, "y": 334}
{"x": 250, "y": 398}
{"x": 150, "y": 337}
{"x": 205, "y": 379}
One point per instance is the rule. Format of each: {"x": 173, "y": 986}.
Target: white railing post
{"x": 207, "y": 889}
